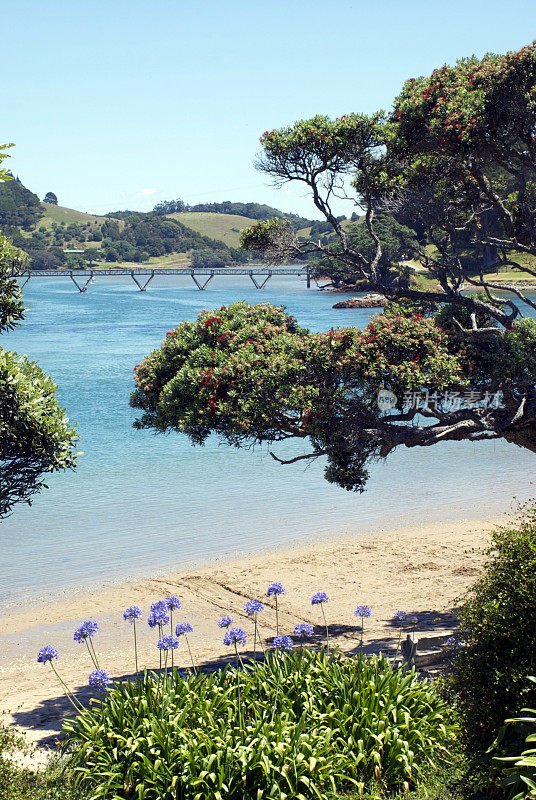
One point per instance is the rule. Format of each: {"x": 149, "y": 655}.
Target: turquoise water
{"x": 140, "y": 503}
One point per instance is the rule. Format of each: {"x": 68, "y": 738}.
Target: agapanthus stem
{"x": 327, "y": 629}
{"x": 135, "y": 647}
{"x": 238, "y": 686}
{"x": 171, "y": 632}
{"x": 276, "y": 618}
{"x": 191, "y": 656}
{"x": 259, "y": 636}
{"x": 74, "y": 702}
{"x": 91, "y": 653}
{"x": 254, "y": 636}
{"x": 276, "y": 657}
{"x": 362, "y": 631}
{"x": 399, "y": 641}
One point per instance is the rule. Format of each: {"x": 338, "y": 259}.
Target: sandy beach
{"x": 422, "y": 570}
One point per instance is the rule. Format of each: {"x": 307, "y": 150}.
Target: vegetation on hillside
{"x": 249, "y": 210}
{"x": 51, "y": 235}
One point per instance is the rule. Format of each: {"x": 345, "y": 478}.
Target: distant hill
{"x": 224, "y": 227}
{"x": 252, "y": 211}
{"x": 206, "y": 235}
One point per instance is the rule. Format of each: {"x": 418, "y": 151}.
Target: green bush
{"x": 520, "y": 769}
{"x": 498, "y": 635}
{"x": 300, "y": 725}
{"x": 21, "y": 783}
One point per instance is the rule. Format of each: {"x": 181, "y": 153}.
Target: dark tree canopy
{"x": 19, "y": 207}
{"x": 454, "y": 162}
{"x": 50, "y": 197}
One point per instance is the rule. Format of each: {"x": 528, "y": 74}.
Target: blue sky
{"x": 122, "y": 104}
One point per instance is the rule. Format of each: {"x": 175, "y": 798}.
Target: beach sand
{"x": 422, "y": 570}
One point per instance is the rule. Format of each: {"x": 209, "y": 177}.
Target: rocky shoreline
{"x": 372, "y": 300}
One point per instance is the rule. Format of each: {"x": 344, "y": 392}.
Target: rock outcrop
{"x": 368, "y": 301}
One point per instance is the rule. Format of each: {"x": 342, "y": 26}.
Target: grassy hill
{"x": 61, "y": 214}
{"x": 224, "y": 227}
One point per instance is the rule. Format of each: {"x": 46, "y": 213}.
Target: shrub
{"x": 521, "y": 769}
{"x": 498, "y": 634}
{"x": 21, "y": 783}
{"x": 298, "y": 725}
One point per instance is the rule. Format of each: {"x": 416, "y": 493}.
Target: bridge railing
{"x": 88, "y": 275}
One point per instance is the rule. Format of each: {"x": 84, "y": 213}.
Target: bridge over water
{"x": 82, "y": 278}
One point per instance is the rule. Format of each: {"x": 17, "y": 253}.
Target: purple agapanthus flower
{"x": 132, "y": 614}
{"x": 400, "y": 616}
{"x": 253, "y": 607}
{"x": 235, "y": 636}
{"x": 159, "y": 616}
{"x": 303, "y": 629}
{"x": 86, "y": 630}
{"x": 168, "y": 643}
{"x": 159, "y": 605}
{"x": 224, "y": 622}
{"x": 283, "y": 643}
{"x": 172, "y": 603}
{"x": 275, "y": 588}
{"x": 100, "y": 679}
{"x": 363, "y": 611}
{"x": 183, "y": 628}
{"x": 319, "y": 597}
{"x": 47, "y": 653}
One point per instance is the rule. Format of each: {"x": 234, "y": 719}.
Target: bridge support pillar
{"x": 308, "y": 278}
{"x": 265, "y": 281}
{"x": 147, "y": 282}
{"x": 204, "y": 285}
{"x": 84, "y": 287}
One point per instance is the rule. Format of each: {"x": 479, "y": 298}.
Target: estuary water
{"x": 140, "y": 503}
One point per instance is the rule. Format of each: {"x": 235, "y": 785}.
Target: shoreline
{"x": 421, "y": 569}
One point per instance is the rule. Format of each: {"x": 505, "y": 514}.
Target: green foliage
{"x": 251, "y": 374}
{"x": 498, "y": 635}
{"x": 51, "y": 198}
{"x": 155, "y": 235}
{"x": 11, "y": 303}
{"x": 300, "y": 725}
{"x": 520, "y": 769}
{"x": 209, "y": 258}
{"x": 249, "y": 210}
{"x": 4, "y": 174}
{"x": 323, "y": 143}
{"x": 457, "y": 106}
{"x": 34, "y": 430}
{"x": 260, "y": 235}
{"x": 23, "y": 783}
{"x": 397, "y": 240}
{"x": 19, "y": 207}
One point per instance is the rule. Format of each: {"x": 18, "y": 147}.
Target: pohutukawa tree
{"x": 35, "y": 435}
{"x": 455, "y": 162}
